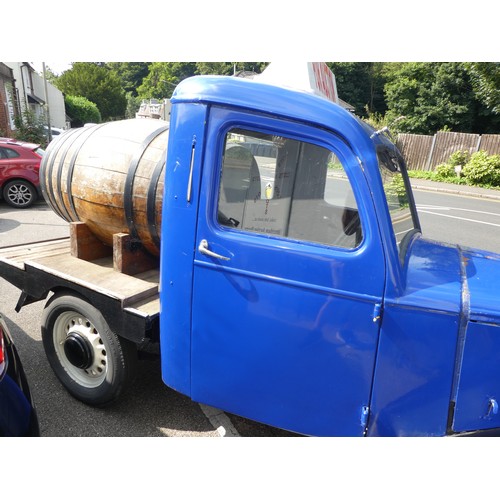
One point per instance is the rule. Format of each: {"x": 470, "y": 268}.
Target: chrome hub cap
{"x": 80, "y": 349}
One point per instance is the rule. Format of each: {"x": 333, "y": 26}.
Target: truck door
{"x": 288, "y": 277}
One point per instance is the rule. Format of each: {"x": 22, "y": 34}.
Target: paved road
{"x": 470, "y": 218}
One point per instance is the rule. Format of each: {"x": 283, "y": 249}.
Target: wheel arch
{"x": 122, "y": 323}
{"x": 40, "y": 285}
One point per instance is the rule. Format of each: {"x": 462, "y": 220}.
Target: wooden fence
{"x": 425, "y": 152}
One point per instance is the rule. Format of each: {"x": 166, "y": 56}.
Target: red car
{"x": 19, "y": 166}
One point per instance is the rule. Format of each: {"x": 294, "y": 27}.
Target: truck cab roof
{"x": 279, "y": 101}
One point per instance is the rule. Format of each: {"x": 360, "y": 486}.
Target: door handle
{"x": 203, "y": 248}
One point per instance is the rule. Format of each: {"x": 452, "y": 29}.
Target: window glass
{"x": 8, "y": 153}
{"x": 391, "y": 169}
{"x": 283, "y": 187}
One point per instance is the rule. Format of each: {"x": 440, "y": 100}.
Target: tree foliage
{"x": 30, "y": 128}
{"x": 228, "y": 68}
{"x": 361, "y": 84}
{"x": 131, "y": 74}
{"x": 81, "y": 110}
{"x": 461, "y": 97}
{"x": 435, "y": 96}
{"x": 163, "y": 77}
{"x": 50, "y": 75}
{"x": 98, "y": 84}
{"x": 477, "y": 169}
{"x": 486, "y": 83}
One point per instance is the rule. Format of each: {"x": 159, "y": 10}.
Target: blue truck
{"x": 293, "y": 287}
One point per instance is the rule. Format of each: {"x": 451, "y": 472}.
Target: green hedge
{"x": 482, "y": 169}
{"x": 478, "y": 169}
{"x": 81, "y": 110}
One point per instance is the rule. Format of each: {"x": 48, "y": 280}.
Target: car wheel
{"x": 19, "y": 193}
{"x": 90, "y": 360}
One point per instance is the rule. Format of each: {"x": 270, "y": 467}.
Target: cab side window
{"x": 282, "y": 187}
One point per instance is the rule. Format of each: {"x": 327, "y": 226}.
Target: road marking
{"x": 461, "y": 218}
{"x": 437, "y": 207}
{"x": 220, "y": 421}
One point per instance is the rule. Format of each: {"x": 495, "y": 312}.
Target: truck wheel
{"x": 90, "y": 360}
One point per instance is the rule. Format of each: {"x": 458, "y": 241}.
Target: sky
{"x": 266, "y": 31}
{"x": 56, "y": 67}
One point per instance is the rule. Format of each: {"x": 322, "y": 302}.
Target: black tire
{"x": 102, "y": 364}
{"x": 19, "y": 193}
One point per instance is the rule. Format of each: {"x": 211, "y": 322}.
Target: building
{"x": 154, "y": 108}
{"x": 8, "y": 105}
{"x": 29, "y": 93}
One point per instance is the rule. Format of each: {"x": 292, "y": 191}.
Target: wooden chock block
{"x": 85, "y": 245}
{"x": 130, "y": 260}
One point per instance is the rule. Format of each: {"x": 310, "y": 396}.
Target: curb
{"x": 220, "y": 421}
{"x": 457, "y": 191}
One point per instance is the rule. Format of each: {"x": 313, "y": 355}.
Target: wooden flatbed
{"x": 129, "y": 303}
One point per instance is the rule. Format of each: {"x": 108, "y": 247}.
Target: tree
{"x": 431, "y": 97}
{"x": 228, "y": 68}
{"x": 98, "y": 84}
{"x": 30, "y": 128}
{"x": 50, "y": 75}
{"x": 361, "y": 84}
{"x": 485, "y": 78}
{"x": 131, "y": 74}
{"x": 81, "y": 111}
{"x": 215, "y": 68}
{"x": 163, "y": 77}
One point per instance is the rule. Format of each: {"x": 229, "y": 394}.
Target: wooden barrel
{"x": 111, "y": 177}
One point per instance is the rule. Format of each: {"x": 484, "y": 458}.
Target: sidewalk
{"x": 443, "y": 187}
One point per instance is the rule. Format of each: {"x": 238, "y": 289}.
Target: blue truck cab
{"x": 295, "y": 286}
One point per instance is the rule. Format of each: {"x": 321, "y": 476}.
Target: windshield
{"x": 391, "y": 167}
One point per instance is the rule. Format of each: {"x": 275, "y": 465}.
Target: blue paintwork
{"x": 284, "y": 331}
{"x": 15, "y": 409}
{"x": 18, "y": 416}
{"x": 483, "y": 278}
{"x": 177, "y": 251}
{"x": 479, "y": 378}
{"x": 416, "y": 359}
{"x": 255, "y": 351}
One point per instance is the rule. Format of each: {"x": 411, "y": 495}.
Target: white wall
{"x": 28, "y": 82}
